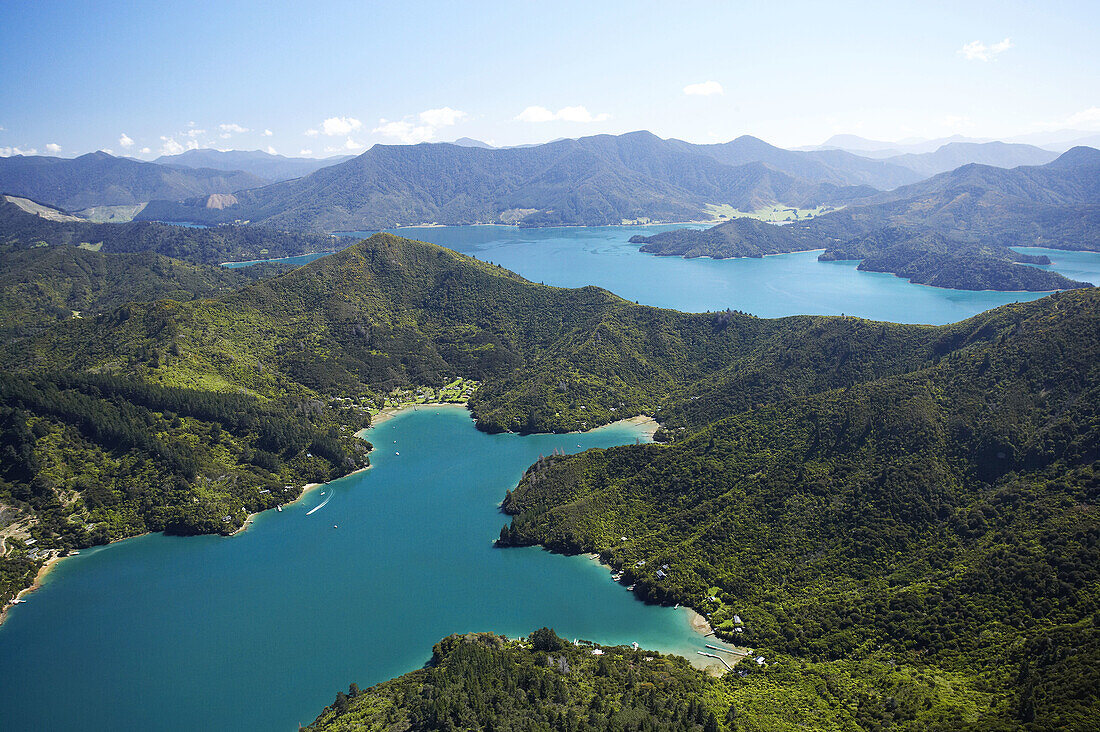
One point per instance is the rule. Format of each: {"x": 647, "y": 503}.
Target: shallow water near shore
{"x": 260, "y": 630}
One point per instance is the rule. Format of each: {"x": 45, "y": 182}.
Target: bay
{"x": 259, "y": 631}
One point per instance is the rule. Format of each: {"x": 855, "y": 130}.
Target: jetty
{"x": 715, "y": 655}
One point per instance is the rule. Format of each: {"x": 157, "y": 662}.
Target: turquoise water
{"x": 260, "y": 630}
{"x": 1081, "y": 266}
{"x": 787, "y": 284}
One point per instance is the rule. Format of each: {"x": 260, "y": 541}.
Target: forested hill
{"x": 21, "y": 229}
{"x": 740, "y": 237}
{"x": 100, "y": 179}
{"x": 489, "y": 682}
{"x": 596, "y": 180}
{"x": 943, "y": 521}
{"x": 929, "y": 258}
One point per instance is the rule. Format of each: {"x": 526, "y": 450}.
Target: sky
{"x": 322, "y": 78}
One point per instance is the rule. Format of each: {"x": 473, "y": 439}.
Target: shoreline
{"x": 650, "y": 424}
{"x": 44, "y": 570}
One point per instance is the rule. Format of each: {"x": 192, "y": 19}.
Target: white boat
{"x": 279, "y": 508}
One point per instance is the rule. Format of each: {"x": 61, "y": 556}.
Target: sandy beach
{"x": 649, "y": 424}
{"x": 390, "y": 412}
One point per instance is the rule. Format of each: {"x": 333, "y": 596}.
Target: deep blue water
{"x": 260, "y": 630}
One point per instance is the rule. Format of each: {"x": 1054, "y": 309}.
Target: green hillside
{"x": 43, "y": 284}
{"x": 484, "y": 681}
{"x": 943, "y": 520}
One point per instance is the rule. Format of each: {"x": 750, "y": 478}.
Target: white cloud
{"x": 349, "y": 145}
{"x": 336, "y": 127}
{"x": 703, "y": 89}
{"x": 536, "y": 114}
{"x": 271, "y": 150}
{"x": 565, "y": 114}
{"x": 1085, "y": 118}
{"x": 580, "y": 114}
{"x": 442, "y": 117}
{"x": 7, "y": 152}
{"x": 406, "y": 132}
{"x": 956, "y": 122}
{"x": 305, "y": 151}
{"x": 145, "y": 151}
{"x": 108, "y": 150}
{"x": 172, "y": 147}
{"x": 194, "y": 133}
{"x": 1088, "y": 119}
{"x": 125, "y": 141}
{"x": 267, "y": 133}
{"x": 232, "y": 128}
{"x": 53, "y": 147}
{"x": 978, "y": 51}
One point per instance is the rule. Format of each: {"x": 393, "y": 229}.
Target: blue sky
{"x": 329, "y": 77}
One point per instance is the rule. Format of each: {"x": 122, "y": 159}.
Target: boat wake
{"x": 322, "y": 503}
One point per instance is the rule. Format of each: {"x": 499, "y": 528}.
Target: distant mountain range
{"x": 1054, "y": 205}
{"x": 953, "y": 230}
{"x": 597, "y": 180}
{"x": 956, "y": 154}
{"x": 824, "y": 166}
{"x": 272, "y": 168}
{"x": 1058, "y": 141}
{"x": 100, "y": 179}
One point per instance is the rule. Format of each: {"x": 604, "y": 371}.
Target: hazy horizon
{"x": 135, "y": 81}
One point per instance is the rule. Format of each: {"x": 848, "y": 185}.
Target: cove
{"x": 770, "y": 287}
{"x": 259, "y": 631}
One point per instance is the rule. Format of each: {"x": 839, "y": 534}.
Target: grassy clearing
{"x": 771, "y": 214}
